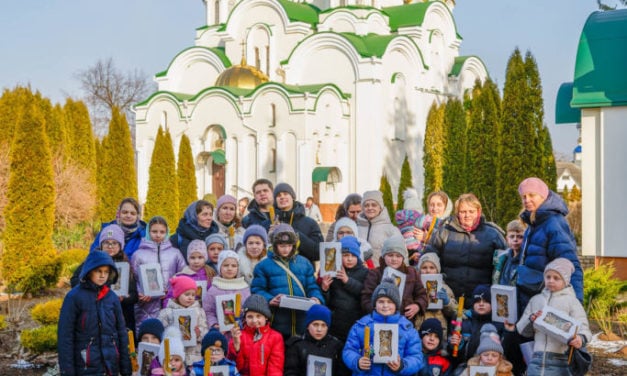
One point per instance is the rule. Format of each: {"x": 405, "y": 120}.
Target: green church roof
{"x": 369, "y": 45}
{"x": 412, "y": 15}
{"x": 302, "y": 12}
{"x": 564, "y": 113}
{"x": 601, "y": 65}
{"x": 218, "y": 51}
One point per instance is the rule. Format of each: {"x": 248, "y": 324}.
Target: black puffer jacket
{"x": 344, "y": 300}
{"x": 466, "y": 257}
{"x": 307, "y": 229}
{"x": 298, "y": 348}
{"x": 256, "y": 217}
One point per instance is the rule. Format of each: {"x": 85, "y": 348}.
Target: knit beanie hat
{"x": 226, "y": 199}
{"x": 216, "y": 238}
{"x": 197, "y": 246}
{"x": 344, "y": 222}
{"x": 257, "y": 303}
{"x": 150, "y": 326}
{"x": 388, "y": 289}
{"x": 213, "y": 338}
{"x": 225, "y": 255}
{"x": 429, "y": 326}
{"x": 375, "y": 196}
{"x": 489, "y": 340}
{"x": 351, "y": 245}
{"x": 284, "y": 187}
{"x": 563, "y": 266}
{"x": 180, "y": 284}
{"x": 112, "y": 232}
{"x": 318, "y": 312}
{"x": 432, "y": 258}
{"x": 394, "y": 244}
{"x": 176, "y": 344}
{"x": 533, "y": 185}
{"x": 411, "y": 200}
{"x": 256, "y": 230}
{"x": 481, "y": 292}
{"x": 283, "y": 233}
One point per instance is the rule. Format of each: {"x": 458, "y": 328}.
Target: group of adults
{"x": 465, "y": 241}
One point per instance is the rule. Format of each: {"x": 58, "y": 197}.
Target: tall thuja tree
{"x": 405, "y": 182}
{"x": 12, "y": 106}
{"x": 433, "y": 151}
{"x": 118, "y": 172}
{"x": 548, "y": 160}
{"x": 455, "y": 171}
{"x": 186, "y": 175}
{"x": 516, "y": 161}
{"x": 57, "y": 132}
{"x": 81, "y": 148}
{"x": 29, "y": 260}
{"x": 388, "y": 200}
{"x": 534, "y": 114}
{"x": 162, "y": 196}
{"x": 483, "y": 130}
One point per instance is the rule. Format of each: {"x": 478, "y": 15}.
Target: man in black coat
{"x": 292, "y": 212}
{"x": 260, "y": 205}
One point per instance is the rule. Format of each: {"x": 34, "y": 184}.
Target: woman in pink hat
{"x": 548, "y": 237}
{"x": 228, "y": 221}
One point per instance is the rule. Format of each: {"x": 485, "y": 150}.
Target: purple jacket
{"x": 171, "y": 262}
{"x": 221, "y": 286}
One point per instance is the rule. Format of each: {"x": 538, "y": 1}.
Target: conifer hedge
{"x": 433, "y": 151}
{"x": 162, "y": 196}
{"x": 405, "y": 182}
{"x": 186, "y": 175}
{"x": 388, "y": 201}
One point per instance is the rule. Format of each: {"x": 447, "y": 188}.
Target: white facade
{"x": 349, "y": 91}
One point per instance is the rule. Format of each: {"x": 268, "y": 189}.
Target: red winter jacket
{"x": 262, "y": 357}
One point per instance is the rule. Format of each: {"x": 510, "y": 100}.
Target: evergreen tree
{"x": 514, "y": 148}
{"x": 12, "y": 105}
{"x": 483, "y": 129}
{"x": 455, "y": 171}
{"x": 575, "y": 195}
{"x": 57, "y": 131}
{"x": 534, "y": 113}
{"x": 29, "y": 260}
{"x": 405, "y": 182}
{"x": 162, "y": 196}
{"x": 565, "y": 194}
{"x": 388, "y": 201}
{"x": 119, "y": 179}
{"x": 81, "y": 136}
{"x": 186, "y": 175}
{"x": 433, "y": 151}
{"x": 548, "y": 160}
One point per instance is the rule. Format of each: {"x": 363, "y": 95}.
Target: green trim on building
{"x": 459, "y": 62}
{"x": 179, "y": 97}
{"x": 564, "y": 113}
{"x": 321, "y": 174}
{"x": 601, "y": 65}
{"x": 369, "y": 45}
{"x": 406, "y": 15}
{"x": 218, "y": 155}
{"x": 351, "y": 7}
{"x": 218, "y": 51}
{"x": 300, "y": 12}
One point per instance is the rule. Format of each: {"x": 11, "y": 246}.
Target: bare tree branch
{"x": 105, "y": 86}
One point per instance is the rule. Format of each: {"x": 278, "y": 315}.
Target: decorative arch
{"x": 438, "y": 14}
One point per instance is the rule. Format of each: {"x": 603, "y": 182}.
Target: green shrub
{"x": 47, "y": 313}
{"x": 3, "y": 322}
{"x": 40, "y": 340}
{"x": 70, "y": 260}
{"x": 600, "y": 288}
{"x": 77, "y": 236}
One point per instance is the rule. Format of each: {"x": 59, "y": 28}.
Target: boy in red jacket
{"x": 256, "y": 348}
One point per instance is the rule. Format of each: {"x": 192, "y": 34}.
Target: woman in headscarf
{"x": 128, "y": 218}
{"x": 197, "y": 223}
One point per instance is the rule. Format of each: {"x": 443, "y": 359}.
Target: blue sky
{"x": 45, "y": 42}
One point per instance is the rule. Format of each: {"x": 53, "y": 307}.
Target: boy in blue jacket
{"x": 386, "y": 301}
{"x": 92, "y": 337}
{"x": 218, "y": 344}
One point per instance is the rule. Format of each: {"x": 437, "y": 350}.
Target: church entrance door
{"x": 217, "y": 179}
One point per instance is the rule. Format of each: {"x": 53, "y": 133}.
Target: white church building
{"x": 326, "y": 95}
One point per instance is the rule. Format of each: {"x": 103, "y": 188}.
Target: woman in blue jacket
{"x": 386, "y": 301}
{"x": 548, "y": 237}
{"x": 92, "y": 337}
{"x": 272, "y": 280}
{"x": 127, "y": 217}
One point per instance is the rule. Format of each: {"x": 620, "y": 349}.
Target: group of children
{"x": 270, "y": 339}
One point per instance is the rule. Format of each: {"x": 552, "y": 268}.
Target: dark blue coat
{"x": 131, "y": 239}
{"x": 270, "y": 280}
{"x": 198, "y": 368}
{"x": 308, "y": 231}
{"x": 547, "y": 238}
{"x": 256, "y": 217}
{"x": 92, "y": 336}
{"x": 189, "y": 230}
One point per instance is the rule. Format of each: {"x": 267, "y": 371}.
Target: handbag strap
{"x": 292, "y": 275}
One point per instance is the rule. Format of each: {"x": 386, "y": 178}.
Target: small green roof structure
{"x": 564, "y": 113}
{"x": 601, "y": 65}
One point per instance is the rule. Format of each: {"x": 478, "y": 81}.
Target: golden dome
{"x": 242, "y": 76}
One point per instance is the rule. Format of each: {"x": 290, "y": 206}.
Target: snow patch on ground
{"x": 617, "y": 362}
{"x": 606, "y": 346}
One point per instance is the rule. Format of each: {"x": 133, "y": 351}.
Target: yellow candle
{"x": 271, "y": 214}
{"x": 238, "y": 305}
{"x": 207, "y": 367}
{"x": 232, "y": 237}
{"x": 166, "y": 362}
{"x": 131, "y": 350}
{"x": 367, "y": 341}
